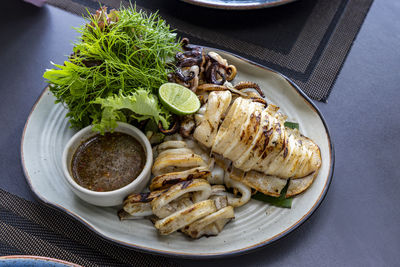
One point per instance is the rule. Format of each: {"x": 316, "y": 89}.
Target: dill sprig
{"x": 116, "y": 54}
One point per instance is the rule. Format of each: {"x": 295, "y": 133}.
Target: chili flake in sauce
{"x": 108, "y": 162}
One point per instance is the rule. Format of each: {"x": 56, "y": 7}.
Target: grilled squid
{"x": 236, "y": 141}
{"x": 211, "y": 224}
{"x": 186, "y": 206}
{"x": 185, "y": 217}
{"x": 181, "y": 196}
{"x": 200, "y": 190}
{"x": 194, "y": 67}
{"x": 272, "y": 185}
{"x": 207, "y": 126}
{"x": 174, "y": 161}
{"x": 137, "y": 206}
{"x": 243, "y": 189}
{"x": 185, "y": 169}
{"x": 166, "y": 180}
{"x": 254, "y": 138}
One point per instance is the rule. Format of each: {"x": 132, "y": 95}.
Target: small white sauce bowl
{"x": 109, "y": 198}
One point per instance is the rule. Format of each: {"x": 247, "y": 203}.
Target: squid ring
{"x": 185, "y": 217}
{"x": 197, "y": 229}
{"x": 171, "y": 144}
{"x": 244, "y": 190}
{"x": 176, "y": 162}
{"x": 137, "y": 206}
{"x": 175, "y": 151}
{"x": 166, "y": 180}
{"x": 201, "y": 190}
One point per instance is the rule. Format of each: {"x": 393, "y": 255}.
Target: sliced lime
{"x": 178, "y": 99}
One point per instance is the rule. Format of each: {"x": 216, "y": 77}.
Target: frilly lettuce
{"x": 140, "y": 105}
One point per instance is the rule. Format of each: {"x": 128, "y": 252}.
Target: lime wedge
{"x": 178, "y": 99}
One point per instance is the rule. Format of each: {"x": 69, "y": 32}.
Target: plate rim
{"x": 186, "y": 255}
{"x": 243, "y": 6}
{"x": 40, "y": 258}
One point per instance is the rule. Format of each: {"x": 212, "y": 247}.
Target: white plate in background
{"x": 238, "y": 4}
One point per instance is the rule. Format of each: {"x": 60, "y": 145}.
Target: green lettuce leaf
{"x": 140, "y": 105}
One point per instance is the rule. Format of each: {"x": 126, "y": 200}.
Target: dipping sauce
{"x": 108, "y": 162}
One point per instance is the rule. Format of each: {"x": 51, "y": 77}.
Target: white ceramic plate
{"x": 238, "y": 4}
{"x": 256, "y": 224}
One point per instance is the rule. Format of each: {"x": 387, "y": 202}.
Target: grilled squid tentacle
{"x": 248, "y": 85}
{"x": 231, "y": 69}
{"x": 209, "y": 87}
{"x": 212, "y": 87}
{"x": 174, "y": 128}
{"x": 194, "y": 66}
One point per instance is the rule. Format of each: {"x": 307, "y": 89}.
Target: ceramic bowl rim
{"x": 77, "y": 137}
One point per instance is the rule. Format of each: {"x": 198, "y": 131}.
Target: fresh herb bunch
{"x": 117, "y": 55}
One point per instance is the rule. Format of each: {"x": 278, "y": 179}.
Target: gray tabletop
{"x": 359, "y": 221}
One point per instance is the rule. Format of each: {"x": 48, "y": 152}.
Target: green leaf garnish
{"x": 117, "y": 53}
{"x": 140, "y": 105}
{"x": 292, "y": 125}
{"x": 280, "y": 201}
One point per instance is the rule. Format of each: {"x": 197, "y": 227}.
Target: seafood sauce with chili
{"x": 108, "y": 162}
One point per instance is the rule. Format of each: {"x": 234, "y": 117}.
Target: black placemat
{"x": 307, "y": 40}
{"x": 28, "y": 228}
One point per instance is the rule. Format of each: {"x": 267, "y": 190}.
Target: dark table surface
{"x": 359, "y": 221}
